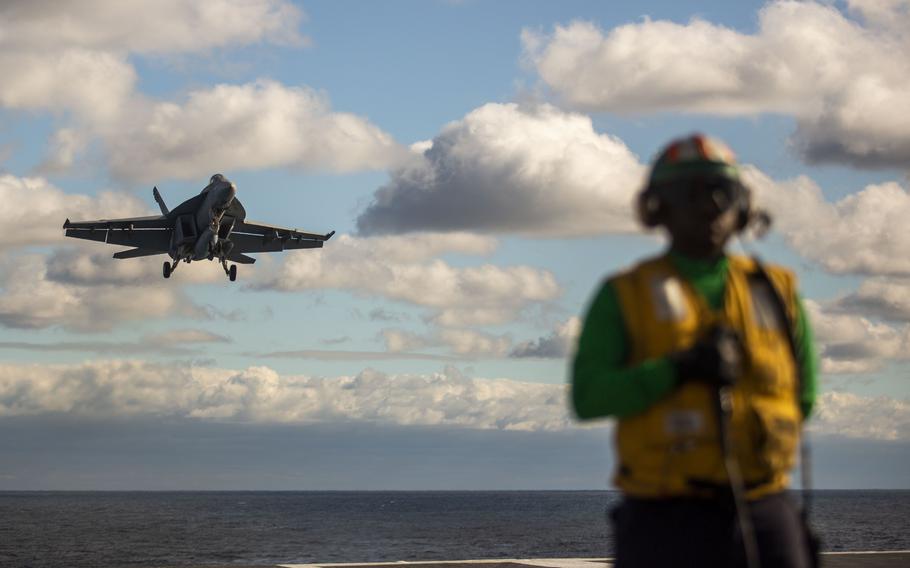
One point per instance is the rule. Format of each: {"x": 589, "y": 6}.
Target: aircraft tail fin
{"x": 164, "y": 210}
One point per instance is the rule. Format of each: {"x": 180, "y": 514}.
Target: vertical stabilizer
{"x": 164, "y": 210}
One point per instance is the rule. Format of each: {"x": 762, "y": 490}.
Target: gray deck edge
{"x": 538, "y": 562}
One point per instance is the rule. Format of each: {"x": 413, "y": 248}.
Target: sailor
{"x": 707, "y": 361}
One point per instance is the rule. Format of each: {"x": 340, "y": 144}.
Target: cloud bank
{"x": 854, "y": 416}
{"x": 106, "y": 389}
{"x": 259, "y": 395}
{"x": 844, "y": 79}
{"x": 32, "y": 298}
{"x": 402, "y": 269}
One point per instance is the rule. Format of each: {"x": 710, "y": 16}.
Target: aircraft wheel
{"x": 166, "y": 269}
{"x": 232, "y": 274}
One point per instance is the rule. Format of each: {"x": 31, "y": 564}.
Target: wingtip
{"x": 66, "y": 224}
{"x": 329, "y": 235}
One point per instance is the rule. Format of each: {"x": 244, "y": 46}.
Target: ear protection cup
{"x": 744, "y": 215}
{"x": 649, "y": 208}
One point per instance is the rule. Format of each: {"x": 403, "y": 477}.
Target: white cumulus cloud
{"x": 558, "y": 344}
{"x": 506, "y": 168}
{"x": 72, "y": 55}
{"x": 880, "y": 298}
{"x": 854, "y": 416}
{"x": 860, "y": 233}
{"x": 149, "y": 26}
{"x": 92, "y": 84}
{"x": 255, "y": 125}
{"x": 844, "y": 79}
{"x": 851, "y": 343}
{"x": 473, "y": 295}
{"x": 73, "y": 59}
{"x": 34, "y": 210}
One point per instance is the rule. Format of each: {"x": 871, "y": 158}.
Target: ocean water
{"x": 108, "y": 529}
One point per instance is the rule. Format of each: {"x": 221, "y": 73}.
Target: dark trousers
{"x": 702, "y": 533}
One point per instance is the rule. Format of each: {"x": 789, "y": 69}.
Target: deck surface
{"x": 891, "y": 559}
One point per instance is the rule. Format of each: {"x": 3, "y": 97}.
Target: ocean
{"x": 114, "y": 529}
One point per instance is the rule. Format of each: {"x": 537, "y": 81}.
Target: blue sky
{"x": 478, "y": 161}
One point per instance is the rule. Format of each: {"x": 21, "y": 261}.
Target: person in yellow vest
{"x": 707, "y": 361}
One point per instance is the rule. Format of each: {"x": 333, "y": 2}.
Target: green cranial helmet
{"x": 696, "y": 156}
{"x": 697, "y": 162}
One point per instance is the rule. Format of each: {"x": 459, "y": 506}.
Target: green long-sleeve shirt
{"x": 604, "y": 385}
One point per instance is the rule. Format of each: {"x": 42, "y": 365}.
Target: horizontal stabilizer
{"x": 136, "y": 252}
{"x": 241, "y": 258}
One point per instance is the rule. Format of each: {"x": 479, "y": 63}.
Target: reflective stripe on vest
{"x": 673, "y": 449}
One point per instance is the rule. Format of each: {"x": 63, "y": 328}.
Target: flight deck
{"x": 865, "y": 559}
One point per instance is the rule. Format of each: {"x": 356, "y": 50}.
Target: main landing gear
{"x": 169, "y": 268}
{"x": 231, "y": 272}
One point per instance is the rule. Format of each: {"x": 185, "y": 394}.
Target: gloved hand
{"x": 716, "y": 358}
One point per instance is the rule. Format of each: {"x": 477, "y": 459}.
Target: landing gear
{"x": 231, "y": 272}
{"x": 167, "y": 269}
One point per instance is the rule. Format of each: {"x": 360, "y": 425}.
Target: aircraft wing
{"x": 250, "y": 236}
{"x": 151, "y": 222}
{"x": 148, "y": 233}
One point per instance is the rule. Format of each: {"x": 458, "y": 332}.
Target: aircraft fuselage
{"x": 208, "y": 233}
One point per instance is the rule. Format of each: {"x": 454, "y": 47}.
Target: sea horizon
{"x": 79, "y": 529}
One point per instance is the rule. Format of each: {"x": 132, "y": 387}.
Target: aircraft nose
{"x": 227, "y": 194}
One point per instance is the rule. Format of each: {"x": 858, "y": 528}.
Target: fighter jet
{"x": 209, "y": 226}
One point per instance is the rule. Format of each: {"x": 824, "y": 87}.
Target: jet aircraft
{"x": 205, "y": 227}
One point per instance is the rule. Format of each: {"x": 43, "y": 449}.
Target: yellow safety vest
{"x": 673, "y": 448}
